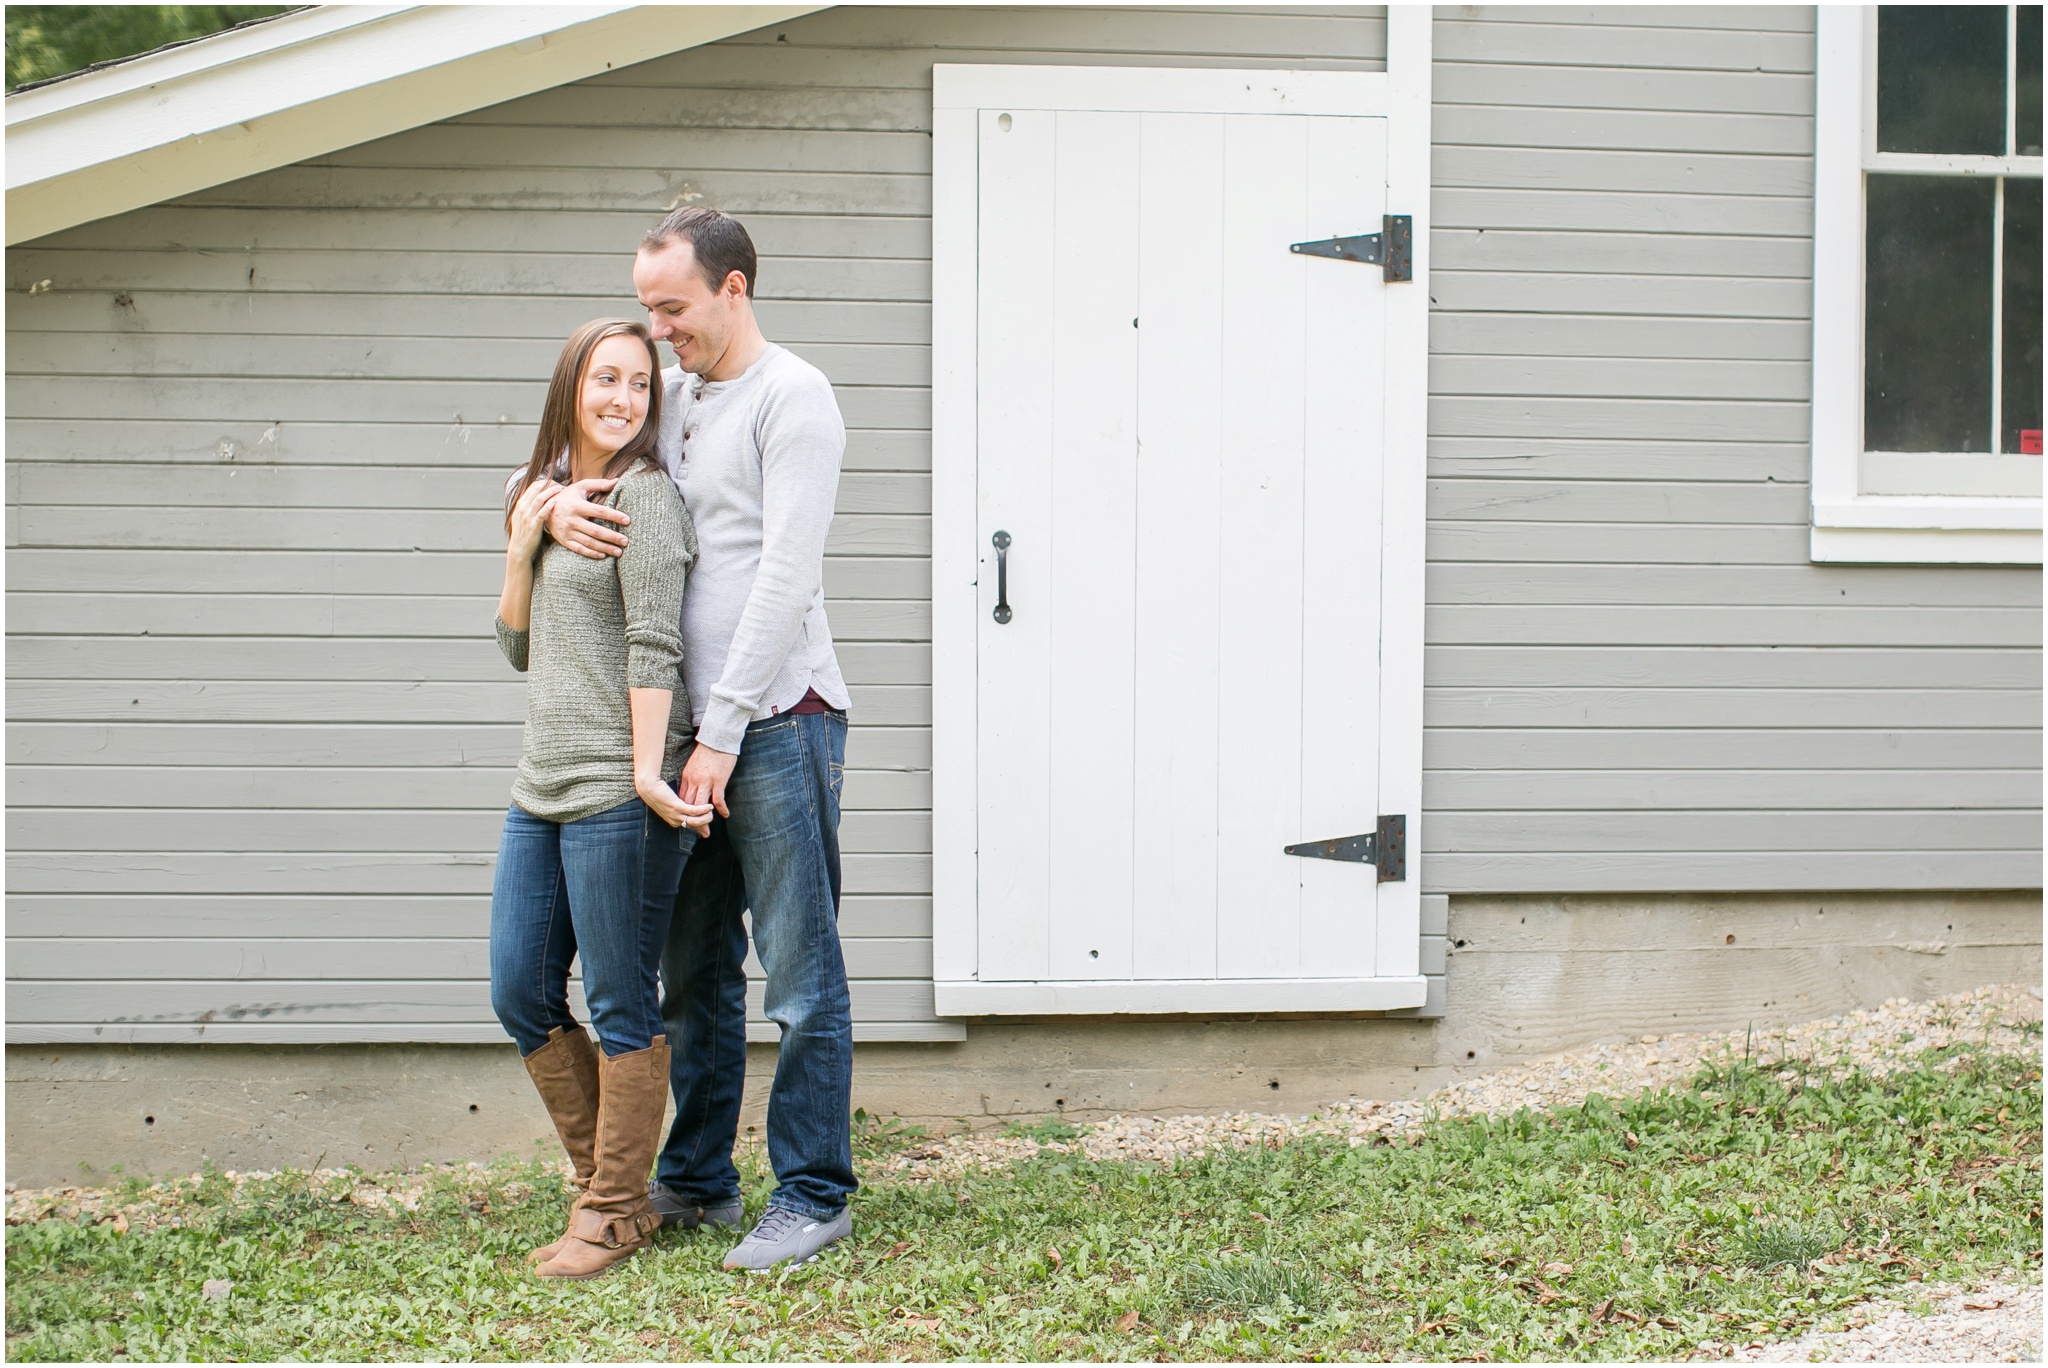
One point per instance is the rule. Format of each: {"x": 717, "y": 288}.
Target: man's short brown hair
{"x": 721, "y": 244}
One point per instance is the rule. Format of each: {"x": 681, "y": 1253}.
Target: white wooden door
{"x": 1178, "y": 439}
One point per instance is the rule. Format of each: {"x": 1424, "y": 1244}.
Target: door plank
{"x": 1093, "y": 477}
{"x": 1180, "y": 546}
{"x": 1015, "y": 449}
{"x": 1259, "y": 806}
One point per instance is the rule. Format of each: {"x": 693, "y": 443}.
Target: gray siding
{"x": 259, "y": 736}
{"x": 1636, "y": 679}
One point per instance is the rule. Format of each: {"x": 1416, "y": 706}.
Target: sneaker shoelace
{"x": 775, "y": 1223}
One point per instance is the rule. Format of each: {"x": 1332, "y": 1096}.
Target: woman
{"x": 594, "y": 843}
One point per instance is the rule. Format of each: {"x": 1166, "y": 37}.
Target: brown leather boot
{"x": 614, "y": 1219}
{"x": 564, "y": 1073}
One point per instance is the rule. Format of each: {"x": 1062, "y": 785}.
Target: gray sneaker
{"x": 784, "y": 1235}
{"x": 678, "y": 1210}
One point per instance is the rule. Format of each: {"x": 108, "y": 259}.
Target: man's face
{"x": 682, "y": 309}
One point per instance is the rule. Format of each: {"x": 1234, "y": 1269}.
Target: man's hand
{"x": 705, "y": 775}
{"x": 573, "y": 520}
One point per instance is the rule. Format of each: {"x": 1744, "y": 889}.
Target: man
{"x": 753, "y": 437}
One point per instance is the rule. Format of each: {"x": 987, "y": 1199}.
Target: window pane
{"x": 1927, "y": 313}
{"x": 2022, "y": 379}
{"x": 1941, "y": 78}
{"x": 2029, "y": 121}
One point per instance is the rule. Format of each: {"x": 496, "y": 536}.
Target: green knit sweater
{"x": 598, "y": 628}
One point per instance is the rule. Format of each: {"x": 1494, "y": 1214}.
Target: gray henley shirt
{"x": 757, "y": 460}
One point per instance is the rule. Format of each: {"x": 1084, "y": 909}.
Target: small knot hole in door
{"x": 1003, "y": 122}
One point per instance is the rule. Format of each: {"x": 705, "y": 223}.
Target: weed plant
{"x": 1782, "y": 1245}
{"x": 1739, "y": 1207}
{"x": 1254, "y": 1283}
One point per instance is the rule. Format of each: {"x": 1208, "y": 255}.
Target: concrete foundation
{"x": 1526, "y": 976}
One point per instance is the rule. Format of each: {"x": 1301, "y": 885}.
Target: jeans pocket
{"x": 838, "y": 779}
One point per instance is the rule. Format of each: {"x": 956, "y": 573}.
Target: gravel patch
{"x": 1996, "y": 1324}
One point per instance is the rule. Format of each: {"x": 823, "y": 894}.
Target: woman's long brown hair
{"x": 558, "y": 415}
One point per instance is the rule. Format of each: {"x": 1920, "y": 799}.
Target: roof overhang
{"x": 309, "y": 83}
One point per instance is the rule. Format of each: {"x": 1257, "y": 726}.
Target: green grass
{"x": 1739, "y": 1207}
{"x": 1048, "y": 1132}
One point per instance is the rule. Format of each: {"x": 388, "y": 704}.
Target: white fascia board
{"x": 186, "y": 59}
{"x": 308, "y": 84}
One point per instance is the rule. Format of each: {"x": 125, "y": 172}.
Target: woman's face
{"x": 613, "y": 404}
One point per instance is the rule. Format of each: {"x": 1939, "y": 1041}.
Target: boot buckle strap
{"x": 597, "y": 1227}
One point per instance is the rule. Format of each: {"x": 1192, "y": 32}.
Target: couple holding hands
{"x": 684, "y": 749}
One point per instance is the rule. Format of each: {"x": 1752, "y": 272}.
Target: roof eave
{"x": 181, "y": 120}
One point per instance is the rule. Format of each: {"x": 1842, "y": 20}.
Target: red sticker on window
{"x": 2030, "y": 441}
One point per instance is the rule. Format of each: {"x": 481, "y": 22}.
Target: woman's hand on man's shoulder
{"x": 528, "y": 519}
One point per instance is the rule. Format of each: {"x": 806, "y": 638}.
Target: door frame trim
{"x": 1160, "y": 90}
{"x": 1113, "y": 997}
{"x": 1402, "y": 95}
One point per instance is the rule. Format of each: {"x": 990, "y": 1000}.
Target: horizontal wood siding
{"x": 1636, "y": 679}
{"x": 259, "y": 737}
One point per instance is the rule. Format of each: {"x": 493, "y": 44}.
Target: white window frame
{"x": 1848, "y": 524}
{"x": 1402, "y": 93}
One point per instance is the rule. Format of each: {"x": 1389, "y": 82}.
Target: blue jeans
{"x": 779, "y": 854}
{"x": 603, "y": 888}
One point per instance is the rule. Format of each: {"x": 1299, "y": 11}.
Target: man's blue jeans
{"x": 603, "y": 887}
{"x": 778, "y": 854}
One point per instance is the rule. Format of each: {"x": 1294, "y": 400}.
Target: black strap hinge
{"x": 1387, "y": 848}
{"x": 1392, "y": 248}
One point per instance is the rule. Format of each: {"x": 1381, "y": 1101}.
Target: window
{"x": 1927, "y": 284}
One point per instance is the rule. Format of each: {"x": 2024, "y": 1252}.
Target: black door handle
{"x": 1001, "y": 540}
